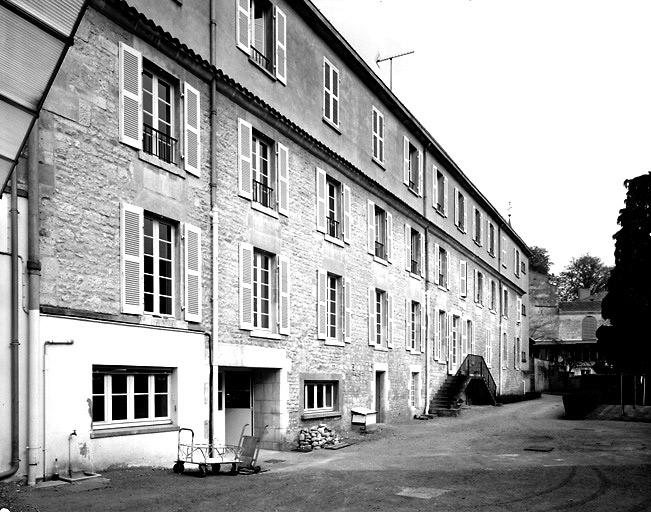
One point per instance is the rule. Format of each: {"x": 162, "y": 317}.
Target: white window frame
{"x": 478, "y": 226}
{"x": 460, "y": 210}
{"x": 130, "y": 421}
{"x": 312, "y": 389}
{"x": 439, "y": 192}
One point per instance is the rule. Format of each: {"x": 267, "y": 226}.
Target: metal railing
{"x": 475, "y": 366}
{"x": 380, "y": 250}
{"x": 333, "y": 227}
{"x": 260, "y": 59}
{"x": 262, "y": 194}
{"x": 159, "y": 144}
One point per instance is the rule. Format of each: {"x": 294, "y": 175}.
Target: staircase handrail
{"x": 475, "y": 365}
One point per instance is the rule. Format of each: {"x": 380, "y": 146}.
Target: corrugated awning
{"x": 34, "y": 38}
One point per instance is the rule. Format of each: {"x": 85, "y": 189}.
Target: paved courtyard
{"x": 522, "y": 457}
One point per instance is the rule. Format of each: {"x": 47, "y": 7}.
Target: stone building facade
{"x": 241, "y": 226}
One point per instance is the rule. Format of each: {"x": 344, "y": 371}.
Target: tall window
{"x": 470, "y": 337}
{"x": 442, "y": 265}
{"x": 262, "y": 283}
{"x": 380, "y": 233}
{"x": 488, "y": 349}
{"x": 330, "y": 93}
{"x": 380, "y": 317}
{"x": 158, "y": 251}
{"x": 477, "y": 227}
{"x": 516, "y": 264}
{"x": 333, "y": 206}
{"x": 157, "y": 117}
{"x": 454, "y": 342}
{"x": 123, "y": 396}
{"x": 505, "y": 351}
{"x": 479, "y": 287}
{"x": 415, "y": 327}
{"x": 491, "y": 239}
{"x": 261, "y": 33}
{"x": 441, "y": 193}
{"x": 517, "y": 356}
{"x": 412, "y": 167}
{"x": 333, "y": 301}
{"x": 263, "y": 179}
{"x": 460, "y": 211}
{"x": 414, "y": 389}
{"x": 441, "y": 334}
{"x": 415, "y": 248}
{"x": 378, "y": 136}
{"x": 505, "y": 302}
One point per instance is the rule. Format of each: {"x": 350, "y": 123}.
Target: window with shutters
{"x": 463, "y": 279}
{"x": 505, "y": 303}
{"x": 378, "y": 136}
{"x": 516, "y": 264}
{"x": 264, "y": 292}
{"x": 380, "y": 309}
{"x": 330, "y": 93}
{"x": 414, "y": 389}
{"x": 413, "y": 167}
{"x": 478, "y": 227}
{"x": 262, "y": 35}
{"x": 151, "y": 273}
{"x": 263, "y": 170}
{"x": 333, "y": 208}
{"x": 460, "y": 210}
{"x": 454, "y": 341}
{"x": 442, "y": 264}
{"x": 440, "y": 192}
{"x": 470, "y": 337}
{"x": 152, "y": 105}
{"x": 493, "y": 296}
{"x": 131, "y": 396}
{"x": 440, "y": 335}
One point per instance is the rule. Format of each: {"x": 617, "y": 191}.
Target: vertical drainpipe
{"x": 214, "y": 223}
{"x": 500, "y": 292}
{"x": 14, "y": 345}
{"x": 428, "y": 319}
{"x": 33, "y": 336}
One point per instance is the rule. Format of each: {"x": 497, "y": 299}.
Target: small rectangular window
{"x": 319, "y": 396}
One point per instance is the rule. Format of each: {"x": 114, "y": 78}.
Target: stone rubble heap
{"x": 317, "y": 437}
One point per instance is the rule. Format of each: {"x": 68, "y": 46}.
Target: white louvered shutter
{"x": 284, "y": 310}
{"x": 420, "y": 173}
{"x": 370, "y": 225}
{"x": 243, "y": 32}
{"x": 246, "y": 286}
{"x": 245, "y": 158}
{"x": 405, "y": 163}
{"x": 131, "y": 271}
{"x": 389, "y": 231}
{"x": 347, "y": 311}
{"x": 192, "y": 129}
{"x": 347, "y": 208}
{"x": 371, "y": 316}
{"x": 448, "y": 275}
{"x": 435, "y": 186}
{"x": 130, "y": 96}
{"x": 518, "y": 313}
{"x": 281, "y": 46}
{"x": 390, "y": 321}
{"x": 192, "y": 273}
{"x": 464, "y": 339}
{"x": 321, "y": 307}
{"x": 320, "y": 200}
{"x": 445, "y": 195}
{"x": 437, "y": 337}
{"x": 407, "y": 324}
{"x": 282, "y": 157}
{"x": 422, "y": 327}
{"x": 436, "y": 263}
{"x": 463, "y": 278}
{"x": 422, "y": 254}
{"x": 465, "y": 215}
{"x": 456, "y": 207}
{"x": 408, "y": 247}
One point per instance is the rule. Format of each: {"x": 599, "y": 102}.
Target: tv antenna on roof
{"x": 379, "y": 59}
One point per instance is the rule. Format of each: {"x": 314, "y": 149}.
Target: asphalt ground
{"x": 522, "y": 456}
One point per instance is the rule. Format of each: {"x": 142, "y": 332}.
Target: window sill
{"x": 380, "y": 260}
{"x": 443, "y": 288}
{"x": 461, "y": 229}
{"x": 491, "y": 254}
{"x": 265, "y": 334}
{"x": 264, "y": 70}
{"x": 381, "y": 348}
{"x": 477, "y": 242}
{"x": 415, "y": 276}
{"x": 414, "y": 352}
{"x": 263, "y": 209}
{"x": 320, "y": 415}
{"x": 334, "y": 343}
{"x": 379, "y": 163}
{"x": 413, "y": 191}
{"x": 493, "y": 311}
{"x": 161, "y": 164}
{"x": 332, "y": 125}
{"x": 441, "y": 212}
{"x": 132, "y": 431}
{"x": 334, "y": 240}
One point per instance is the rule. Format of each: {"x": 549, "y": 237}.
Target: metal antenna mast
{"x": 390, "y": 59}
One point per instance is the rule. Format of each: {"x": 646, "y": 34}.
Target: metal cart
{"x": 249, "y": 449}
{"x": 204, "y": 454}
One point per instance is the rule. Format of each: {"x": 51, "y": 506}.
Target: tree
{"x": 539, "y": 260}
{"x": 628, "y": 302}
{"x": 583, "y": 272}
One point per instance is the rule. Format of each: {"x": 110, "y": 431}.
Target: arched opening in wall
{"x": 589, "y": 328}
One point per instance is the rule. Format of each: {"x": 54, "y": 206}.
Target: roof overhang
{"x": 34, "y": 38}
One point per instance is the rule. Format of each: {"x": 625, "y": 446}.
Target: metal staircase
{"x": 473, "y": 377}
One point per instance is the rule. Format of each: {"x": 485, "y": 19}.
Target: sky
{"x": 544, "y": 104}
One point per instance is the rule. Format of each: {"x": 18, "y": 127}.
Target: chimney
{"x": 584, "y": 293}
